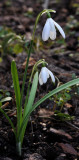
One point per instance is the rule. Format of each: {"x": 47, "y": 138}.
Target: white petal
{"x": 52, "y": 35}
{"x": 46, "y": 31}
{"x": 52, "y": 29}
{"x": 40, "y": 80}
{"x": 44, "y": 74}
{"x": 51, "y": 75}
{"x": 60, "y": 29}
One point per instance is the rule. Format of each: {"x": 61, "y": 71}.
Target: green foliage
{"x": 55, "y": 91}
{"x": 72, "y": 23}
{"x": 29, "y": 105}
{"x": 4, "y": 96}
{"x": 20, "y": 116}
{"x": 18, "y": 48}
{"x": 61, "y": 41}
{"x": 76, "y": 87}
{"x": 0, "y": 103}
{"x": 17, "y": 94}
{"x": 10, "y": 42}
{"x": 61, "y": 98}
{"x": 6, "y": 99}
{"x": 18, "y": 99}
{"x": 63, "y": 116}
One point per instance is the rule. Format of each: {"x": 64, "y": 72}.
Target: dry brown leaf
{"x": 67, "y": 148}
{"x": 32, "y": 61}
{"x": 45, "y": 113}
{"x": 35, "y": 156}
{"x": 68, "y": 105}
{"x": 60, "y": 132}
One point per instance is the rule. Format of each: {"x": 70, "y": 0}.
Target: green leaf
{"x": 6, "y": 99}
{"x": 63, "y": 116}
{"x": 17, "y": 93}
{"x": 25, "y": 73}
{"x": 7, "y": 93}
{"x": 0, "y": 103}
{"x": 18, "y": 48}
{"x": 3, "y": 32}
{"x": 5, "y": 41}
{"x": 32, "y": 95}
{"x": 60, "y": 88}
{"x": 0, "y": 59}
{"x": 1, "y": 96}
{"x": 30, "y": 102}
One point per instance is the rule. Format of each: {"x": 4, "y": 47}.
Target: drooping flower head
{"x": 44, "y": 75}
{"x": 49, "y": 30}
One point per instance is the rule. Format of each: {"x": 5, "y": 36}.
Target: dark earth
{"x": 48, "y": 136}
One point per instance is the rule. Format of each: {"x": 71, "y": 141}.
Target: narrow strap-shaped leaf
{"x": 41, "y": 61}
{"x": 32, "y": 95}
{"x": 30, "y": 102}
{"x": 17, "y": 93}
{"x": 60, "y": 88}
{"x": 7, "y": 117}
{"x": 25, "y": 73}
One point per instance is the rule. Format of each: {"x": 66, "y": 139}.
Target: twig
{"x": 72, "y": 125}
{"x": 5, "y": 105}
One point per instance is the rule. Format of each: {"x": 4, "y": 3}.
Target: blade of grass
{"x": 32, "y": 95}
{"x": 58, "y": 89}
{"x": 30, "y": 102}
{"x": 25, "y": 73}
{"x": 17, "y": 93}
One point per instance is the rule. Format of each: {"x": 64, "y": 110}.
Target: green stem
{"x": 18, "y": 148}
{"x": 25, "y": 73}
{"x": 27, "y": 95}
{"x": 48, "y": 14}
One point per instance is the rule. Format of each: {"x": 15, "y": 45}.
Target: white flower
{"x": 44, "y": 75}
{"x": 50, "y": 31}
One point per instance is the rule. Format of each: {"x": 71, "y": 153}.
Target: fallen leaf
{"x": 60, "y": 132}
{"x": 68, "y": 105}
{"x": 45, "y": 113}
{"x": 67, "y": 148}
{"x": 32, "y": 61}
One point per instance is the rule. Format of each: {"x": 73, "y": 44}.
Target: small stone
{"x": 34, "y": 156}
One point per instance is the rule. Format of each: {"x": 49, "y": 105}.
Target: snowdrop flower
{"x": 44, "y": 75}
{"x": 50, "y": 31}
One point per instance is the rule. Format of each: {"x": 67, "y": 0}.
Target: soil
{"x": 47, "y": 137}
